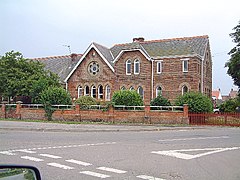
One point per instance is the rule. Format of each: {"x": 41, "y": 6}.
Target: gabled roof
{"x": 217, "y": 94}
{"x": 60, "y": 65}
{"x": 187, "y": 46}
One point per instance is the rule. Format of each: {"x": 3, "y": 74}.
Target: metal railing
{"x": 129, "y": 108}
{"x": 166, "y": 108}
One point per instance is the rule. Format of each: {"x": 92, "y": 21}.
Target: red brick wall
{"x": 115, "y": 116}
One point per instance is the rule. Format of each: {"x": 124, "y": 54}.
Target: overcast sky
{"x": 39, "y": 28}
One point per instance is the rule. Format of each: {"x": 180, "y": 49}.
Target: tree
{"x": 127, "y": 98}
{"x": 196, "y": 102}
{"x": 23, "y": 77}
{"x": 54, "y": 96}
{"x": 86, "y": 101}
{"x": 230, "y": 105}
{"x": 234, "y": 62}
{"x": 160, "y": 101}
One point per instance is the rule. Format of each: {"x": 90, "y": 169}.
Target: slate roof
{"x": 167, "y": 47}
{"x": 105, "y": 52}
{"x": 60, "y": 65}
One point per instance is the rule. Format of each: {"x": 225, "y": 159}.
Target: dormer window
{"x": 128, "y": 67}
{"x": 136, "y": 66}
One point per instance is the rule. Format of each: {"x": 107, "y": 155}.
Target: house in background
{"x": 232, "y": 94}
{"x": 217, "y": 95}
{"x": 169, "y": 67}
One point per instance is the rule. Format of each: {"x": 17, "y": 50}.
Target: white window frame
{"x": 85, "y": 92}
{"x": 158, "y": 91}
{"x": 185, "y": 63}
{"x": 136, "y": 62}
{"x": 129, "y": 63}
{"x": 131, "y": 88}
{"x": 100, "y": 95}
{"x": 108, "y": 92}
{"x": 123, "y": 88}
{"x": 138, "y": 90}
{"x": 159, "y": 67}
{"x": 92, "y": 92}
{"x": 80, "y": 91}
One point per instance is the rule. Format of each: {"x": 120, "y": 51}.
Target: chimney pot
{"x": 139, "y": 39}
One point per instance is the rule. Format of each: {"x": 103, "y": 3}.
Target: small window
{"x": 159, "y": 67}
{"x": 123, "y": 88}
{"x": 131, "y": 88}
{"x": 128, "y": 67}
{"x": 86, "y": 91}
{"x": 108, "y": 91}
{"x": 158, "y": 91}
{"x": 185, "y": 65}
{"x": 80, "y": 91}
{"x": 136, "y": 66}
{"x": 140, "y": 92}
{"x": 93, "y": 92}
{"x": 184, "y": 89}
{"x": 100, "y": 92}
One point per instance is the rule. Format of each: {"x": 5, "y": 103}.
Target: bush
{"x": 160, "y": 101}
{"x": 127, "y": 98}
{"x": 86, "y": 101}
{"x": 54, "y": 96}
{"x": 230, "y": 105}
{"x": 196, "y": 102}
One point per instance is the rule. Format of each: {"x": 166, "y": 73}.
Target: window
{"x": 100, "y": 92}
{"x": 93, "y": 92}
{"x": 123, "y": 88}
{"x": 86, "y": 91}
{"x": 108, "y": 91}
{"x": 159, "y": 67}
{"x": 140, "y": 92}
{"x": 136, "y": 66}
{"x": 185, "y": 65}
{"x": 131, "y": 88}
{"x": 184, "y": 89}
{"x": 80, "y": 91}
{"x": 128, "y": 67}
{"x": 158, "y": 91}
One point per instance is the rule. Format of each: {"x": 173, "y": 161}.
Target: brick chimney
{"x": 139, "y": 39}
{"x": 74, "y": 57}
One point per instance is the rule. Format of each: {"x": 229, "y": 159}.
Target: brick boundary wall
{"x": 146, "y": 116}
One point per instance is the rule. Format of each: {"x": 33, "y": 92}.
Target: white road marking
{"x": 32, "y": 158}
{"x": 112, "y": 170}
{"x": 79, "y": 162}
{"x": 179, "y": 154}
{"x": 26, "y": 151}
{"x": 90, "y": 173}
{"x": 149, "y": 177}
{"x": 10, "y": 153}
{"x": 50, "y": 156}
{"x": 60, "y": 166}
{"x": 199, "y": 138}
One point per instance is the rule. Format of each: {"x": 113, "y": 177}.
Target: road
{"x": 206, "y": 153}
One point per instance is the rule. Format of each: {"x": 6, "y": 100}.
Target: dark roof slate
{"x": 105, "y": 52}
{"x": 60, "y": 65}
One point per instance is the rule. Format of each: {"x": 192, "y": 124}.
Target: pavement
{"x": 57, "y": 127}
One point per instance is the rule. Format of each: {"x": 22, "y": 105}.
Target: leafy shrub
{"x": 196, "y": 102}
{"x": 160, "y": 101}
{"x": 127, "y": 98}
{"x": 86, "y": 101}
{"x": 230, "y": 105}
{"x": 54, "y": 96}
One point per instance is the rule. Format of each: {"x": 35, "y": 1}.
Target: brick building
{"x": 169, "y": 67}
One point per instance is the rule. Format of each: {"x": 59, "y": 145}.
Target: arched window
{"x": 184, "y": 89}
{"x": 140, "y": 92}
{"x": 136, "y": 66}
{"x": 131, "y": 88}
{"x": 128, "y": 67}
{"x": 80, "y": 91}
{"x": 158, "y": 91}
{"x": 86, "y": 91}
{"x": 100, "y": 92}
{"x": 93, "y": 92}
{"x": 108, "y": 91}
{"x": 123, "y": 88}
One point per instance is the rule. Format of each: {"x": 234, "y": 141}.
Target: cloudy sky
{"x": 39, "y": 28}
